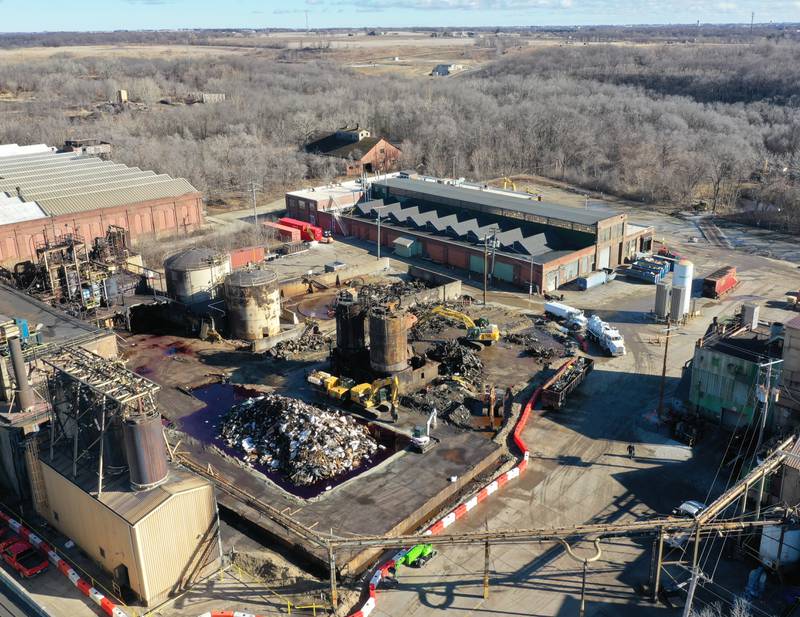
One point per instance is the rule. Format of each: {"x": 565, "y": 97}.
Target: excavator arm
{"x": 452, "y": 314}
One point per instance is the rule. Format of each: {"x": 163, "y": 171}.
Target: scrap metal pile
{"x": 310, "y": 340}
{"x": 305, "y": 443}
{"x": 449, "y": 400}
{"x": 381, "y": 293}
{"x": 430, "y": 325}
{"x": 567, "y": 376}
{"x": 457, "y": 359}
{"x": 532, "y": 346}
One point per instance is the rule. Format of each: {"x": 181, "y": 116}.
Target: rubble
{"x": 305, "y": 443}
{"x": 310, "y": 340}
{"x": 381, "y": 293}
{"x": 457, "y": 359}
{"x": 532, "y": 346}
{"x": 449, "y": 400}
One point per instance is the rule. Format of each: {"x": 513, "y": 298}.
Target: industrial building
{"x": 731, "y": 362}
{"x": 81, "y": 437}
{"x": 45, "y": 195}
{"x": 457, "y": 224}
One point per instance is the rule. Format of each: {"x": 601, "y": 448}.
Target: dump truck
{"x": 565, "y": 381}
{"x": 720, "y": 283}
{"x": 572, "y": 317}
{"x": 609, "y": 339}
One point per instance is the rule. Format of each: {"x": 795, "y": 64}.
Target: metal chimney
{"x": 25, "y": 398}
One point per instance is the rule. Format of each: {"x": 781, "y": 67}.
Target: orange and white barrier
{"x": 109, "y": 608}
{"x": 460, "y": 511}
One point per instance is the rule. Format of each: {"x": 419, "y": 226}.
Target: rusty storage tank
{"x": 145, "y": 451}
{"x": 253, "y": 304}
{"x": 195, "y": 275}
{"x": 388, "y": 337}
{"x": 351, "y": 325}
{"x": 114, "y": 456}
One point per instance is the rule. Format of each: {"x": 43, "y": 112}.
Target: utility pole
{"x": 687, "y": 610}
{"x": 485, "y": 266}
{"x": 253, "y": 188}
{"x": 764, "y": 395}
{"x": 486, "y": 566}
{"x": 530, "y": 285}
{"x": 494, "y": 253}
{"x": 378, "y": 209}
{"x": 332, "y": 564}
{"x": 664, "y": 371}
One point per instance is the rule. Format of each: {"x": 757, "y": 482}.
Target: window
{"x": 102, "y": 553}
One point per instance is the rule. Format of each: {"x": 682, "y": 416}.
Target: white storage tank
{"x": 682, "y": 277}
{"x": 677, "y": 303}
{"x": 253, "y": 304}
{"x": 774, "y": 552}
{"x": 195, "y": 275}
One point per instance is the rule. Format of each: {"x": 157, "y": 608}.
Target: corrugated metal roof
{"x": 14, "y": 210}
{"x": 65, "y": 183}
{"x": 490, "y": 202}
{"x": 16, "y": 150}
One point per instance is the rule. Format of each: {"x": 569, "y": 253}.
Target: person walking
{"x": 631, "y": 451}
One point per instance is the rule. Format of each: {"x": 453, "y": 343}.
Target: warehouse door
{"x": 605, "y": 258}
{"x": 476, "y": 263}
{"x": 504, "y": 272}
{"x": 551, "y": 283}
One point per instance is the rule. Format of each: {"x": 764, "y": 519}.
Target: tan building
{"x": 154, "y": 543}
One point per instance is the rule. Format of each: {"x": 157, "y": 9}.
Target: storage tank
{"x": 351, "y": 320}
{"x": 145, "y": 451}
{"x": 388, "y": 337}
{"x": 195, "y": 275}
{"x": 779, "y": 548}
{"x": 682, "y": 277}
{"x": 750, "y": 314}
{"x": 114, "y": 459}
{"x": 663, "y": 296}
{"x": 677, "y": 303}
{"x": 253, "y": 304}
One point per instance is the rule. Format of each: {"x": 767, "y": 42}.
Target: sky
{"x": 48, "y": 15}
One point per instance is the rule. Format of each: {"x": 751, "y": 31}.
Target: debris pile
{"x": 428, "y": 324}
{"x": 457, "y": 359}
{"x": 532, "y": 346}
{"x": 381, "y": 293}
{"x": 310, "y": 340}
{"x": 305, "y": 443}
{"x": 449, "y": 402}
{"x": 574, "y": 369}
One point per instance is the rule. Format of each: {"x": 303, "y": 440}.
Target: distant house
{"x": 360, "y": 151}
{"x": 443, "y": 70}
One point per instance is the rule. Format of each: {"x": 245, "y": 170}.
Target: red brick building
{"x": 46, "y": 194}
{"x": 546, "y": 244}
{"x": 359, "y": 151}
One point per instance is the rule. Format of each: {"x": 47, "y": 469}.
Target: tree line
{"x": 613, "y": 119}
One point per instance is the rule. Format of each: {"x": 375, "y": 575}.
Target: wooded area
{"x": 664, "y": 123}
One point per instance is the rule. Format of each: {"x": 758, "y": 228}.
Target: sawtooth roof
{"x": 65, "y": 183}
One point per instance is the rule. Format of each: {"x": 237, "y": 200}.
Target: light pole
{"x": 377, "y": 210}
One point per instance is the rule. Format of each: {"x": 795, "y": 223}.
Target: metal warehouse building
{"x": 44, "y": 193}
{"x": 452, "y": 223}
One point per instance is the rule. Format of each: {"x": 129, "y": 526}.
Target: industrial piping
{"x": 109, "y": 608}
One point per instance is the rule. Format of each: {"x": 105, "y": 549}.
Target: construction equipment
{"x": 417, "y": 556}
{"x": 508, "y": 181}
{"x": 421, "y": 435}
{"x": 380, "y": 396}
{"x": 479, "y": 330}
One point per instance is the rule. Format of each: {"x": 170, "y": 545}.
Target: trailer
{"x": 720, "y": 283}
{"x": 573, "y": 318}
{"x": 565, "y": 381}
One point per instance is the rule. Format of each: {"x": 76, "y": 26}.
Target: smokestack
{"x": 25, "y": 400}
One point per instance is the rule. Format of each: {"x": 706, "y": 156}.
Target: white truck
{"x": 572, "y": 317}
{"x": 604, "y": 335}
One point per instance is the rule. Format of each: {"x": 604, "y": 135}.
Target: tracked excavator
{"x": 478, "y": 331}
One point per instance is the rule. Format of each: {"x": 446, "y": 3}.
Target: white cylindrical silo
{"x": 682, "y": 278}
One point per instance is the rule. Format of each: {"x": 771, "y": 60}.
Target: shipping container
{"x": 721, "y": 282}
{"x": 595, "y": 279}
{"x": 285, "y": 234}
{"x": 308, "y": 232}
{"x": 250, "y": 255}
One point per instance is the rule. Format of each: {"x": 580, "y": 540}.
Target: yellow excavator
{"x": 509, "y": 182}
{"x": 479, "y": 330}
{"x": 380, "y": 396}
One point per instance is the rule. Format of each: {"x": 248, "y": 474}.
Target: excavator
{"x": 380, "y": 396}
{"x": 509, "y": 182}
{"x": 479, "y": 331}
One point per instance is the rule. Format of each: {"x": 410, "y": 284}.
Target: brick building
{"x": 453, "y": 223}
{"x": 358, "y": 149}
{"x": 46, "y": 194}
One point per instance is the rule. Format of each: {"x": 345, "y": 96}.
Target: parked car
{"x": 21, "y": 556}
{"x": 688, "y": 509}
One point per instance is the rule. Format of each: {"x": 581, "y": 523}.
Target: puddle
{"x": 219, "y": 398}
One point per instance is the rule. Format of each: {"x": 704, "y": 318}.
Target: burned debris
{"x": 459, "y": 360}
{"x": 311, "y": 340}
{"x": 303, "y": 442}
